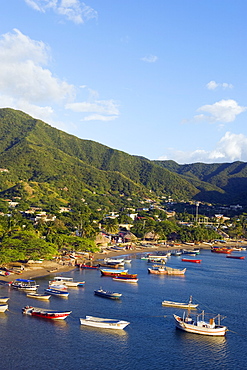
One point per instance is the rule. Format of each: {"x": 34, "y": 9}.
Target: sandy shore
{"x": 52, "y": 267}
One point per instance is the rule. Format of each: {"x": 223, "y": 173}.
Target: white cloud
{"x": 230, "y": 148}
{"x": 222, "y": 111}
{"x": 74, "y": 10}
{"x": 99, "y": 117}
{"x": 212, "y": 85}
{"x": 104, "y": 110}
{"x": 150, "y": 59}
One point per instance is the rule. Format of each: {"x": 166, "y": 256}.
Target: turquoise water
{"x": 151, "y": 340}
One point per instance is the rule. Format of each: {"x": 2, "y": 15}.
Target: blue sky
{"x": 163, "y": 79}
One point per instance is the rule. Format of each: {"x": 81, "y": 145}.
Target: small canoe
{"x": 44, "y": 297}
{"x": 190, "y": 260}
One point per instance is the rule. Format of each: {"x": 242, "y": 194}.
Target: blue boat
{"x": 57, "y": 293}
{"x": 106, "y": 294}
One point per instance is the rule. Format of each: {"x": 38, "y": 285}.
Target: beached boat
{"x": 84, "y": 266}
{"x": 45, "y": 314}
{"x": 57, "y": 293}
{"x": 98, "y": 322}
{"x": 67, "y": 281}
{"x": 3, "y": 307}
{"x": 112, "y": 273}
{"x": 200, "y": 326}
{"x": 236, "y": 257}
{"x": 4, "y": 299}
{"x": 23, "y": 284}
{"x": 44, "y": 297}
{"x": 190, "y": 260}
{"x": 125, "y": 279}
{"x": 188, "y": 305}
{"x": 107, "y": 294}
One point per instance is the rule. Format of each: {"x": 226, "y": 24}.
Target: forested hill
{"x": 229, "y": 180}
{"x": 45, "y": 163}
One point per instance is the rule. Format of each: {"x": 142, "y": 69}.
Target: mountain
{"x": 222, "y": 183}
{"x": 48, "y": 165}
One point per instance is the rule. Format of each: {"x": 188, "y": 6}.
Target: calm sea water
{"x": 218, "y": 284}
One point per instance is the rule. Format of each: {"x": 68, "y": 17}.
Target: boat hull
{"x": 57, "y": 293}
{"x": 44, "y": 297}
{"x": 3, "y": 307}
{"x": 125, "y": 280}
{"x": 4, "y": 299}
{"x": 218, "y": 330}
{"x": 190, "y": 260}
{"x": 107, "y": 294}
{"x": 44, "y": 314}
{"x": 104, "y": 323}
{"x": 180, "y": 305}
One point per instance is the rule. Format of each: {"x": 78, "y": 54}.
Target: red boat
{"x": 45, "y": 314}
{"x": 83, "y": 266}
{"x": 112, "y": 273}
{"x": 236, "y": 257}
{"x": 190, "y": 260}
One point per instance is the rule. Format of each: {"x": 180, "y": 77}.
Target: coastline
{"x": 52, "y": 267}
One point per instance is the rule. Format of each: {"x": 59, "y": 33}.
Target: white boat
{"x": 200, "y": 326}
{"x": 67, "y": 281}
{"x": 4, "y": 299}
{"x": 98, "y": 322}
{"x": 57, "y": 293}
{"x": 23, "y": 284}
{"x": 3, "y": 307}
{"x": 189, "y": 305}
{"x": 44, "y": 297}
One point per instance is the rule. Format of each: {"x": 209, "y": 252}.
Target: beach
{"x": 32, "y": 271}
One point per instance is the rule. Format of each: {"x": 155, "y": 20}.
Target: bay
{"x": 151, "y": 340}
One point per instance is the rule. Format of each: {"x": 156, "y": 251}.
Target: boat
{"x": 189, "y": 305}
{"x": 200, "y": 326}
{"x": 236, "y": 257}
{"x": 98, "y": 322}
{"x": 221, "y": 250}
{"x": 176, "y": 253}
{"x": 61, "y": 287}
{"x": 165, "y": 270}
{"x": 190, "y": 260}
{"x": 84, "y": 266}
{"x": 4, "y": 299}
{"x": 125, "y": 279}
{"x": 44, "y": 297}
{"x": 107, "y": 294}
{"x": 45, "y": 314}
{"x": 67, "y": 281}
{"x": 114, "y": 261}
{"x": 191, "y": 251}
{"x": 23, "y": 284}
{"x": 3, "y": 307}
{"x": 57, "y": 293}
{"x": 112, "y": 272}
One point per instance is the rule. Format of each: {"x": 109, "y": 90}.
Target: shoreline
{"x": 49, "y": 267}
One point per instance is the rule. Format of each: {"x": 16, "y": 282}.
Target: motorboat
{"x": 44, "y": 297}
{"x": 45, "y": 314}
{"x": 67, "y": 281}
{"x": 199, "y": 325}
{"x": 98, "y": 322}
{"x": 23, "y": 284}
{"x": 57, "y": 293}
{"x": 188, "y": 305}
{"x": 107, "y": 294}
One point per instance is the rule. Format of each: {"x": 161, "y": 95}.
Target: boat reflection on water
{"x": 105, "y": 332}
{"x": 213, "y": 344}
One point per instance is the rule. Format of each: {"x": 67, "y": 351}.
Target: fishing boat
{"x": 57, "y": 293}
{"x": 199, "y": 325}
{"x": 98, "y": 322}
{"x": 221, "y": 250}
{"x": 125, "y": 279}
{"x": 44, "y": 297}
{"x": 112, "y": 272}
{"x": 107, "y": 294}
{"x": 190, "y": 260}
{"x": 236, "y": 257}
{"x": 3, "y": 307}
{"x": 67, "y": 281}
{"x": 188, "y": 305}
{"x": 165, "y": 270}
{"x": 45, "y": 314}
{"x": 4, "y": 299}
{"x": 23, "y": 284}
{"x": 191, "y": 251}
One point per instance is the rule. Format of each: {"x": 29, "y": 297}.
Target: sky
{"x": 162, "y": 79}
